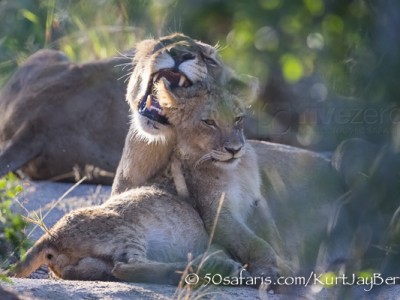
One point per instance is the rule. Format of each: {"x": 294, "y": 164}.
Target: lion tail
{"x": 40, "y": 253}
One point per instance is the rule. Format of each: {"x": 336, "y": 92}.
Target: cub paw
{"x": 118, "y": 270}
{"x": 264, "y": 276}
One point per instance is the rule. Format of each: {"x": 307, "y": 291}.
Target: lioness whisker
{"x": 126, "y": 79}
{"x": 124, "y": 66}
{"x": 129, "y": 69}
{"x": 126, "y": 75}
{"x": 124, "y": 55}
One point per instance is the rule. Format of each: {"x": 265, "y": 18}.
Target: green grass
{"x": 12, "y": 226}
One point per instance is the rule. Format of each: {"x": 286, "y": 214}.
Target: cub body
{"x": 143, "y": 235}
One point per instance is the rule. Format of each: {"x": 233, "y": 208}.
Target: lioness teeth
{"x": 182, "y": 80}
{"x": 148, "y": 102}
{"x": 156, "y": 109}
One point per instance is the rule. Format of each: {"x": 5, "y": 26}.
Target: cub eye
{"x": 209, "y": 61}
{"x": 210, "y": 123}
{"x": 239, "y": 120}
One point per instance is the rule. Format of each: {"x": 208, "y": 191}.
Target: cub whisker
{"x": 221, "y": 156}
{"x": 204, "y": 158}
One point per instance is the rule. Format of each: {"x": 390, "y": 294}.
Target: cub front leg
{"x": 239, "y": 240}
{"x": 217, "y": 261}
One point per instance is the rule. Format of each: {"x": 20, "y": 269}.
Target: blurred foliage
{"x": 11, "y": 225}
{"x": 353, "y": 44}
{"x": 347, "y": 48}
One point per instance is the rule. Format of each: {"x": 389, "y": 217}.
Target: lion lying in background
{"x": 60, "y": 121}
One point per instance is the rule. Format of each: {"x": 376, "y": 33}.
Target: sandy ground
{"x": 45, "y": 196}
{"x": 60, "y": 290}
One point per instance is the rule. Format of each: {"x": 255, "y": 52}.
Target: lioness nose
{"x": 232, "y": 150}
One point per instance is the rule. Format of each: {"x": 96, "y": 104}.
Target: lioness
{"x": 143, "y": 235}
{"x": 183, "y": 61}
{"x": 57, "y": 118}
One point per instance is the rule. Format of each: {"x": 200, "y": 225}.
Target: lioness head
{"x": 208, "y": 120}
{"x": 183, "y": 62}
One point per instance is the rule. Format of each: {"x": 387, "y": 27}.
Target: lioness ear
{"x": 245, "y": 87}
{"x": 164, "y": 94}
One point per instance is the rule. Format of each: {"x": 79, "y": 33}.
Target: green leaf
{"x": 30, "y": 16}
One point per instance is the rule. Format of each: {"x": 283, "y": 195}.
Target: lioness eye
{"x": 210, "y": 122}
{"x": 210, "y": 61}
{"x": 239, "y": 120}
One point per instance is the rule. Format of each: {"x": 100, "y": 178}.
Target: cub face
{"x": 208, "y": 120}
{"x": 183, "y": 62}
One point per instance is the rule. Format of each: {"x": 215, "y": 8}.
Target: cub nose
{"x": 233, "y": 150}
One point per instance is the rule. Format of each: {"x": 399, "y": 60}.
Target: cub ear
{"x": 246, "y": 87}
{"x": 164, "y": 95}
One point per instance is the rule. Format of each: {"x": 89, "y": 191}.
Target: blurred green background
{"x": 328, "y": 69}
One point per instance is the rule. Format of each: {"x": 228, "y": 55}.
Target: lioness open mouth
{"x": 149, "y": 106}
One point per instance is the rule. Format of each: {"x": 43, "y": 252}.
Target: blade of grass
{"x": 41, "y": 221}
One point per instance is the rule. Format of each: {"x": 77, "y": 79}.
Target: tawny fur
{"x": 147, "y": 149}
{"x": 143, "y": 235}
{"x": 61, "y": 121}
{"x": 256, "y": 231}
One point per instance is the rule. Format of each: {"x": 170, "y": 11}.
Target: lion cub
{"x": 211, "y": 147}
{"x": 143, "y": 235}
